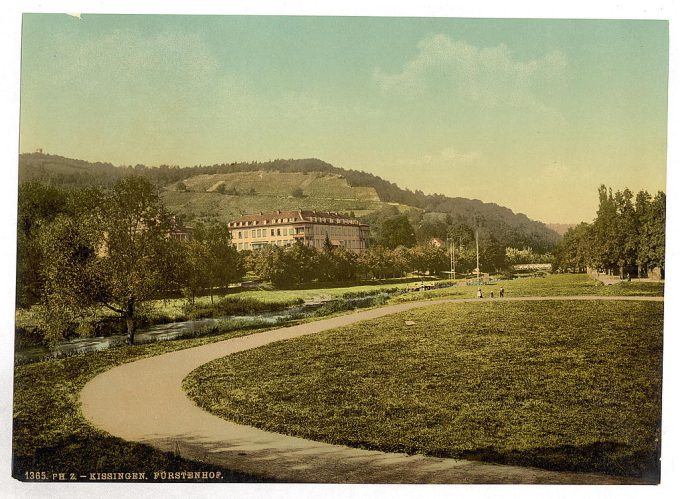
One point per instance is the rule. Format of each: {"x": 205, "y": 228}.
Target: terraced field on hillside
{"x": 227, "y": 195}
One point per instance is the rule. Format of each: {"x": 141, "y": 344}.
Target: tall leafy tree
{"x": 396, "y": 231}
{"x": 38, "y": 205}
{"x": 574, "y": 253}
{"x": 216, "y": 259}
{"x": 116, "y": 256}
{"x": 653, "y": 233}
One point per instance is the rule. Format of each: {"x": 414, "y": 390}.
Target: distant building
{"x": 181, "y": 232}
{"x": 283, "y": 228}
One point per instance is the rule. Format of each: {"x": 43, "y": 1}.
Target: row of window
{"x": 256, "y": 222}
{"x": 339, "y": 221}
{"x": 280, "y": 242}
{"x": 285, "y": 231}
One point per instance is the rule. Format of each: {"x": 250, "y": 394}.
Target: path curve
{"x": 143, "y": 401}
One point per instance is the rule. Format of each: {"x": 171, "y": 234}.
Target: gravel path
{"x": 143, "y": 401}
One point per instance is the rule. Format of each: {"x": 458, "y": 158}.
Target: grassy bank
{"x": 550, "y": 285}
{"x": 51, "y": 435}
{"x": 245, "y": 302}
{"x": 558, "y": 385}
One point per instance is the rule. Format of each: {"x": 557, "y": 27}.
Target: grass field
{"x": 550, "y": 285}
{"x": 558, "y": 385}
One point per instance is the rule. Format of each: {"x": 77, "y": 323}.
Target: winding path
{"x": 143, "y": 401}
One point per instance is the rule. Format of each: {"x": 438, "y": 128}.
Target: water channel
{"x": 169, "y": 331}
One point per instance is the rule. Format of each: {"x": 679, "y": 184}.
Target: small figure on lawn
{"x": 491, "y": 294}
{"x": 479, "y": 293}
{"x": 502, "y": 292}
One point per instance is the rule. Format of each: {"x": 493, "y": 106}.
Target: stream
{"x": 158, "y": 332}
{"x": 169, "y": 331}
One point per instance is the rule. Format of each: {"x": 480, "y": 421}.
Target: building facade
{"x": 312, "y": 228}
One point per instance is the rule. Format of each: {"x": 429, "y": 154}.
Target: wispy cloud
{"x": 488, "y": 76}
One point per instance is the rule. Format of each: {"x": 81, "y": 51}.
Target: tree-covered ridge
{"x": 512, "y": 229}
{"x": 626, "y": 238}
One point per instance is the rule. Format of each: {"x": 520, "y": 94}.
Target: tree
{"x": 627, "y": 226}
{"x": 216, "y": 259}
{"x": 426, "y": 258}
{"x": 605, "y": 232}
{"x": 301, "y": 264}
{"x": 116, "y": 256}
{"x": 491, "y": 254}
{"x": 337, "y": 265}
{"x": 297, "y": 192}
{"x": 268, "y": 263}
{"x": 376, "y": 262}
{"x": 574, "y": 253}
{"x": 652, "y": 220}
{"x": 396, "y": 231}
{"x": 38, "y": 205}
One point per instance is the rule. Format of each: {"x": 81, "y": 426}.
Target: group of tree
{"x": 298, "y": 264}
{"x": 80, "y": 251}
{"x": 626, "y": 237}
{"x": 517, "y": 256}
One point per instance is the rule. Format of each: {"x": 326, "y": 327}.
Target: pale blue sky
{"x": 530, "y": 114}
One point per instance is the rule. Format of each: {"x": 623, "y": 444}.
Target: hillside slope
{"x": 228, "y": 195}
{"x": 324, "y": 187}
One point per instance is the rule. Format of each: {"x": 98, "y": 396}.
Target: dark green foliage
{"x": 558, "y": 385}
{"x": 237, "y": 306}
{"x": 38, "y": 206}
{"x": 209, "y": 261}
{"x": 110, "y": 250}
{"x": 626, "y": 238}
{"x": 297, "y": 192}
{"x": 396, "y": 231}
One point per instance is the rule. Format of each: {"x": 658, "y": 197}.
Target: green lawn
{"x": 550, "y": 285}
{"x": 558, "y": 385}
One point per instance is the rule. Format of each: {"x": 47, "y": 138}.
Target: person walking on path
{"x": 491, "y": 294}
{"x": 502, "y": 292}
{"x": 479, "y": 293}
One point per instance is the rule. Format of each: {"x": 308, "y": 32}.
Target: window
{"x": 240, "y": 234}
{"x": 259, "y": 232}
{"x": 278, "y": 232}
{"x": 252, "y": 233}
{"x": 272, "y": 232}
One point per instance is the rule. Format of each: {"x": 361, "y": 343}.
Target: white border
{"x": 10, "y": 31}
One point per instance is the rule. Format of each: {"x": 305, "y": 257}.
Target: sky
{"x": 530, "y": 114}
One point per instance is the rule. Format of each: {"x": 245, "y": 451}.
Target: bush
{"x": 237, "y": 306}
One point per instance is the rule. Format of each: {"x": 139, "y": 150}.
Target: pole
{"x": 477, "y": 247}
{"x": 453, "y": 258}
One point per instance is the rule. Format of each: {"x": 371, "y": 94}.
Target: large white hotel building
{"x": 283, "y": 228}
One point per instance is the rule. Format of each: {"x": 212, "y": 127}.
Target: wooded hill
{"x": 224, "y": 190}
